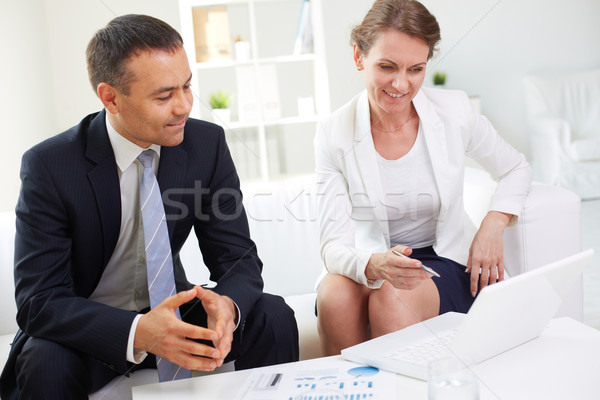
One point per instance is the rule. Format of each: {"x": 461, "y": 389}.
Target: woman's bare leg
{"x": 391, "y": 309}
{"x": 342, "y": 308}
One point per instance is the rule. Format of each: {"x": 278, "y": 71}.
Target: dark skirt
{"x": 454, "y": 285}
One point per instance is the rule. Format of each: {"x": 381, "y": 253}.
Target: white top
{"x": 411, "y": 198}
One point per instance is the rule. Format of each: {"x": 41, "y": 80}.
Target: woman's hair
{"x": 111, "y": 47}
{"x": 407, "y": 16}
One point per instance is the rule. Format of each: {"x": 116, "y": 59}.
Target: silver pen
{"x": 423, "y": 267}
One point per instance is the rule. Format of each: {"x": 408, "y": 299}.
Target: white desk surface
{"x": 563, "y": 363}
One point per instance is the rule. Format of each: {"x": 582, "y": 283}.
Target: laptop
{"x": 503, "y": 316}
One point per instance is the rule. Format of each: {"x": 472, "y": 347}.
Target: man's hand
{"x": 221, "y": 312}
{"x": 160, "y": 332}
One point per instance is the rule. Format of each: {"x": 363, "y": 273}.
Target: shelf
{"x": 266, "y": 60}
{"x": 292, "y": 120}
{"x": 208, "y": 3}
{"x": 275, "y": 122}
{"x": 269, "y": 85}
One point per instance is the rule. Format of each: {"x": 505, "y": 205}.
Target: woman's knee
{"x": 340, "y": 296}
{"x": 400, "y": 308}
{"x": 385, "y": 296}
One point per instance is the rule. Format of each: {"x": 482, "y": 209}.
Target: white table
{"x": 563, "y": 363}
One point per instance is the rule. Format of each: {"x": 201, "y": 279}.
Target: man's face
{"x": 159, "y": 101}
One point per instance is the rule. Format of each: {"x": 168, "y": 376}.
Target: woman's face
{"x": 394, "y": 70}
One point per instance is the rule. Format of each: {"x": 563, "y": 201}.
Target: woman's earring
{"x": 359, "y": 68}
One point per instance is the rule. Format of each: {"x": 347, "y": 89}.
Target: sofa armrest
{"x": 548, "y": 229}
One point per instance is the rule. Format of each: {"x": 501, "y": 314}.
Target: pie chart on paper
{"x": 362, "y": 372}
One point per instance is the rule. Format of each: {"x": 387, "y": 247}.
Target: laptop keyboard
{"x": 425, "y": 350}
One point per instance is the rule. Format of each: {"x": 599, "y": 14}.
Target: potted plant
{"x": 219, "y": 102}
{"x": 439, "y": 79}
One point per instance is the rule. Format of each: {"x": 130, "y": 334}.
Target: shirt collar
{"x": 125, "y": 151}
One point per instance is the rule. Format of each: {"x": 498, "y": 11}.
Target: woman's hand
{"x": 486, "y": 255}
{"x": 401, "y": 272}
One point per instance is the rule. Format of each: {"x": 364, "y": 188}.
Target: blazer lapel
{"x": 435, "y": 141}
{"x": 366, "y": 161}
{"x": 104, "y": 180}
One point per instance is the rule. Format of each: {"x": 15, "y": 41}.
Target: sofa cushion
{"x": 8, "y": 308}
{"x": 5, "y": 342}
{"x": 586, "y": 149}
{"x": 308, "y": 337}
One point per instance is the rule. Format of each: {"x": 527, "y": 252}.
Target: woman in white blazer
{"x": 390, "y": 166}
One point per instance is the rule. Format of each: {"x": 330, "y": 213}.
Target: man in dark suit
{"x": 80, "y": 265}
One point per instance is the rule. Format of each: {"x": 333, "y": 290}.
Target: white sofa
{"x": 282, "y": 217}
{"x": 564, "y": 119}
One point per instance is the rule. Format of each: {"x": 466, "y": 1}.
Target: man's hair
{"x": 125, "y": 36}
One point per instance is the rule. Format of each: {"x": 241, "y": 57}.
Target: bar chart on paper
{"x": 339, "y": 380}
{"x": 358, "y": 386}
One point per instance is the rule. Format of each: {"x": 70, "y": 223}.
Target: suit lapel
{"x": 171, "y": 178}
{"x": 104, "y": 180}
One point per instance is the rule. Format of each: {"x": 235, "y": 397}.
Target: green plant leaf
{"x": 439, "y": 78}
{"x": 220, "y": 99}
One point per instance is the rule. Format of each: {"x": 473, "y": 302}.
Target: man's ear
{"x": 108, "y": 95}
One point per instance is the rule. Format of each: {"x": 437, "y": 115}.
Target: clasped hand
{"x": 160, "y": 332}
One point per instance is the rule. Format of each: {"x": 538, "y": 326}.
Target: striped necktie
{"x": 159, "y": 262}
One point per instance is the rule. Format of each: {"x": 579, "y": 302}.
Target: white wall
{"x": 24, "y": 113}
{"x": 70, "y": 26}
{"x": 483, "y": 52}
{"x": 515, "y": 39}
{"x": 44, "y": 76}
{"x": 487, "y": 47}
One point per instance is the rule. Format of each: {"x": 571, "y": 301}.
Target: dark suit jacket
{"x": 68, "y": 220}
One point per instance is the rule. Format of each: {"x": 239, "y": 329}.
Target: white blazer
{"x": 353, "y": 219}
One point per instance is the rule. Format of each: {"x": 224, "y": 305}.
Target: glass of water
{"x": 450, "y": 379}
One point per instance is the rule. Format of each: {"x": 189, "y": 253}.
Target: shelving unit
{"x": 271, "y": 143}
